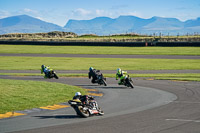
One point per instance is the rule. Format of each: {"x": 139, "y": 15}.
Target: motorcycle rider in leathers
{"x": 120, "y": 74}
{"x": 85, "y": 100}
{"x": 94, "y": 74}
{"x": 46, "y": 70}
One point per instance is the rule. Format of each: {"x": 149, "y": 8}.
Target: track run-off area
{"x": 156, "y": 106}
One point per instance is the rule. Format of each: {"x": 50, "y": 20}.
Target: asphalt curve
{"x": 117, "y": 100}
{"x": 126, "y": 110}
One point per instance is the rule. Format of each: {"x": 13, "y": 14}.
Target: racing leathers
{"x": 94, "y": 74}
{"x": 121, "y": 74}
{"x": 46, "y": 70}
{"x": 88, "y": 101}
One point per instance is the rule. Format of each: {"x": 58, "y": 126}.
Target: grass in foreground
{"x": 19, "y": 95}
{"x": 99, "y": 50}
{"x": 64, "y": 63}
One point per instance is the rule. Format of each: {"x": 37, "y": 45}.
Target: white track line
{"x": 183, "y": 120}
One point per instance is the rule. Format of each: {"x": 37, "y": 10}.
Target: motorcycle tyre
{"x": 130, "y": 84}
{"x": 81, "y": 113}
{"x": 104, "y": 82}
{"x": 56, "y": 76}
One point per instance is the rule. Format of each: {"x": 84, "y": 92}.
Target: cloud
{"x": 99, "y": 12}
{"x": 81, "y": 11}
{"x": 27, "y": 10}
{"x": 4, "y": 14}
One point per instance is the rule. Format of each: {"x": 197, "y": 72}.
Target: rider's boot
{"x": 120, "y": 83}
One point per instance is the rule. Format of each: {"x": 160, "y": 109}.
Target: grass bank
{"x": 20, "y": 95}
{"x": 64, "y": 63}
{"x": 99, "y": 50}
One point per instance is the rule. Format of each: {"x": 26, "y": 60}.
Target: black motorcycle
{"x": 85, "y": 110}
{"x": 51, "y": 74}
{"x": 128, "y": 81}
{"x": 101, "y": 80}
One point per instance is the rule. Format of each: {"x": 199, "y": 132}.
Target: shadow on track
{"x": 87, "y": 85}
{"x": 58, "y": 117}
{"x": 104, "y": 87}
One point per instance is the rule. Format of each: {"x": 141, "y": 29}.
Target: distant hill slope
{"x": 26, "y": 24}
{"x": 102, "y": 25}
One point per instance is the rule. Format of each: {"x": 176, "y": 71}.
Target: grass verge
{"x": 99, "y": 50}
{"x": 65, "y": 63}
{"x": 20, "y": 95}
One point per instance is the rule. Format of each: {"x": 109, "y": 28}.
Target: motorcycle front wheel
{"x": 129, "y": 83}
{"x": 104, "y": 82}
{"x": 55, "y": 76}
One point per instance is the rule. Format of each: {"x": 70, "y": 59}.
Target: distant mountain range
{"x": 102, "y": 25}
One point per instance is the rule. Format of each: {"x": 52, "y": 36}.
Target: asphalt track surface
{"x": 147, "y": 108}
{"x": 153, "y": 106}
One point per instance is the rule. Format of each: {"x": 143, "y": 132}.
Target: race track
{"x": 153, "y": 106}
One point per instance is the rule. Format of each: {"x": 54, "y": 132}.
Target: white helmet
{"x": 77, "y": 94}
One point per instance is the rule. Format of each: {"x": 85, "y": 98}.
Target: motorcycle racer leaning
{"x": 120, "y": 74}
{"x": 46, "y": 70}
{"x": 94, "y": 74}
{"x": 85, "y": 100}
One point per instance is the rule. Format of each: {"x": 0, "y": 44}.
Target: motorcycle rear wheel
{"x": 81, "y": 112}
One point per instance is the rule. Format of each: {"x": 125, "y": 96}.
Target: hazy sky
{"x": 60, "y": 11}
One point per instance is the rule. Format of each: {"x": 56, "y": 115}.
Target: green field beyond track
{"x": 64, "y": 63}
{"x": 99, "y": 50}
{"x": 19, "y": 95}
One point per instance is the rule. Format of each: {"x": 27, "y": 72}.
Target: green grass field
{"x": 64, "y": 63}
{"x": 19, "y": 95}
{"x": 99, "y": 50}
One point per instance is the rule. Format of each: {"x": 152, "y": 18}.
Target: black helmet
{"x": 43, "y": 66}
{"x": 91, "y": 68}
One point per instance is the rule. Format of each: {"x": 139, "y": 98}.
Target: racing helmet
{"x": 91, "y": 68}
{"x": 43, "y": 66}
{"x": 119, "y": 70}
{"x": 77, "y": 94}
